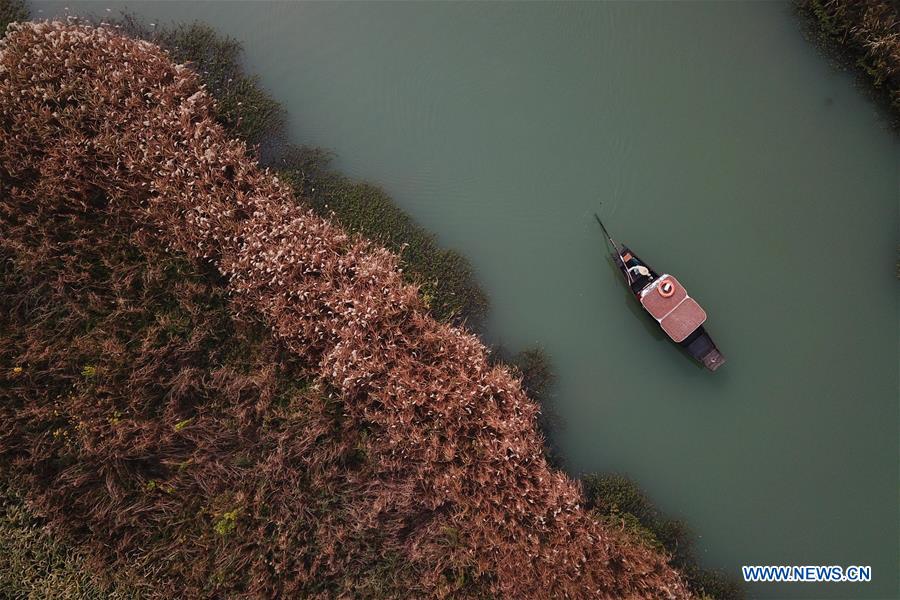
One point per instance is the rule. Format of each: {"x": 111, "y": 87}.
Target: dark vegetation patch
{"x": 12, "y": 10}
{"x": 864, "y": 36}
{"x": 533, "y": 365}
{"x": 538, "y": 380}
{"x": 620, "y": 502}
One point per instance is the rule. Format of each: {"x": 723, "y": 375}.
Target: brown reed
{"x": 87, "y": 114}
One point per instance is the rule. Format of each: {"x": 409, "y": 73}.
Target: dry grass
{"x": 454, "y": 494}
{"x": 246, "y": 111}
{"x": 34, "y": 565}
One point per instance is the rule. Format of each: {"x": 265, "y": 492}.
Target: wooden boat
{"x": 668, "y": 303}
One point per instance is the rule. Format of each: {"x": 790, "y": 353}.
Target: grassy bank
{"x": 247, "y": 111}
{"x": 619, "y": 501}
{"x": 445, "y": 277}
{"x": 157, "y": 446}
{"x": 614, "y": 498}
{"x": 864, "y": 36}
{"x": 35, "y": 563}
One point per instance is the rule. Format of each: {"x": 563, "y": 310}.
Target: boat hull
{"x": 703, "y": 349}
{"x": 698, "y": 343}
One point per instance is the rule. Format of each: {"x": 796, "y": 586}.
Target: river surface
{"x": 725, "y": 149}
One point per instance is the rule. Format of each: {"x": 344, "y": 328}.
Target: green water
{"x": 726, "y": 150}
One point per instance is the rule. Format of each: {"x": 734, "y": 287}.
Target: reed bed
{"x": 868, "y": 34}
{"x": 455, "y": 483}
{"x": 445, "y": 278}
{"x": 181, "y": 449}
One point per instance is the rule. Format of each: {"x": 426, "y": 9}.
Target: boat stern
{"x": 700, "y": 346}
{"x": 713, "y": 360}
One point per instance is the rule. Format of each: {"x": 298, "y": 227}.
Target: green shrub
{"x": 227, "y": 522}
{"x": 616, "y": 494}
{"x": 537, "y": 374}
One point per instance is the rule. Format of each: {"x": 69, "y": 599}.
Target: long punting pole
{"x": 615, "y": 247}
{"x": 605, "y": 232}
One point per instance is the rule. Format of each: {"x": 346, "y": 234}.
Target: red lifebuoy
{"x": 666, "y": 288}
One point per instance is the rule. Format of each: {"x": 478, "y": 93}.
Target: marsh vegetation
{"x": 248, "y": 463}
{"x": 863, "y": 36}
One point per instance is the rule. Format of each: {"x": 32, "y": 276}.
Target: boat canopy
{"x": 677, "y": 313}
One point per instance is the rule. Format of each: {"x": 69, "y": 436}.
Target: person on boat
{"x": 638, "y": 273}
